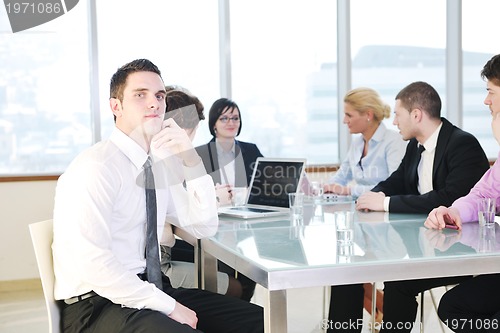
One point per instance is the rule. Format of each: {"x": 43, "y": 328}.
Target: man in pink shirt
{"x": 474, "y": 305}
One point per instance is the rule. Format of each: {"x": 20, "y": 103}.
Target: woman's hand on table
{"x": 223, "y": 193}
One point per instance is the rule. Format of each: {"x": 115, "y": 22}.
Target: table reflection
{"x": 285, "y": 242}
{"x": 316, "y": 244}
{"x": 482, "y": 239}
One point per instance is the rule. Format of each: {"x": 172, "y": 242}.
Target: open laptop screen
{"x": 273, "y": 180}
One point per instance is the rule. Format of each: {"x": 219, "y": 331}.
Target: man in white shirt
{"x": 100, "y": 222}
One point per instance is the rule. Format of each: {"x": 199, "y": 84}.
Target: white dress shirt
{"x": 426, "y": 163}
{"x": 100, "y": 221}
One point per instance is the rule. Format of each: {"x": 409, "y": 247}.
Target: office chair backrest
{"x": 41, "y": 237}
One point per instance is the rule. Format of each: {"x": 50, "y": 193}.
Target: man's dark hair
{"x": 491, "y": 71}
{"x": 421, "y": 95}
{"x": 119, "y": 79}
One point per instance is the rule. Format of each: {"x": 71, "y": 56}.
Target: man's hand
{"x": 176, "y": 140}
{"x": 373, "y": 201}
{"x": 439, "y": 217}
{"x": 184, "y": 315}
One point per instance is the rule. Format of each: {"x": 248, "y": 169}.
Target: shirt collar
{"x": 379, "y": 133}
{"x": 129, "y": 148}
{"x": 431, "y": 143}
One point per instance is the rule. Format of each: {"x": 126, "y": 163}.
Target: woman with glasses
{"x": 230, "y": 163}
{"x": 177, "y": 259}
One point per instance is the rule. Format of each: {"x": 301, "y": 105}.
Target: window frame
{"x": 454, "y": 73}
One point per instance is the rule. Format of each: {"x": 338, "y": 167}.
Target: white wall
{"x": 22, "y": 203}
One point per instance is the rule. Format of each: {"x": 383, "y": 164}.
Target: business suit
{"x": 245, "y": 156}
{"x": 459, "y": 162}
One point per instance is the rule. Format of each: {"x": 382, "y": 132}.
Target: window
{"x": 391, "y": 49}
{"x": 479, "y": 23}
{"x": 283, "y": 67}
{"x": 44, "y": 94}
{"x": 180, "y": 37}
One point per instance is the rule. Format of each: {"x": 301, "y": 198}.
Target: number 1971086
{"x": 32, "y": 8}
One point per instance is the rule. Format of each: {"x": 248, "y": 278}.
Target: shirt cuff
{"x": 386, "y": 203}
{"x": 194, "y": 172}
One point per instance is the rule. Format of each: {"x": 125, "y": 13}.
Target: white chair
{"x": 435, "y": 304}
{"x": 41, "y": 237}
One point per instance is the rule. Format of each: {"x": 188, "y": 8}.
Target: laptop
{"x": 272, "y": 180}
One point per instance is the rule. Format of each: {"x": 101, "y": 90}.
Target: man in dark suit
{"x": 441, "y": 164}
{"x": 452, "y": 162}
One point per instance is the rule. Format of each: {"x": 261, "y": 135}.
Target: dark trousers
{"x": 183, "y": 251}
{"x": 216, "y": 314}
{"x": 346, "y": 308}
{"x": 400, "y": 304}
{"x": 473, "y": 305}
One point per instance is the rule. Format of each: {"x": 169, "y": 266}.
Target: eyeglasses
{"x": 225, "y": 119}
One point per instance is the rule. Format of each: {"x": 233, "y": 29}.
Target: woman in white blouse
{"x": 375, "y": 153}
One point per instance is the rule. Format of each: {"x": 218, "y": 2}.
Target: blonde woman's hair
{"x": 364, "y": 99}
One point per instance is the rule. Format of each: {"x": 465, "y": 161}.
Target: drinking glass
{"x": 296, "y": 201}
{"x": 486, "y": 211}
{"x": 344, "y": 223}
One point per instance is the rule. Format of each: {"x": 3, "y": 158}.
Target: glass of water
{"x": 317, "y": 191}
{"x": 296, "y": 201}
{"x": 344, "y": 223}
{"x": 486, "y": 211}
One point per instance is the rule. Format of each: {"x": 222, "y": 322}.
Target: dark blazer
{"x": 249, "y": 151}
{"x": 459, "y": 163}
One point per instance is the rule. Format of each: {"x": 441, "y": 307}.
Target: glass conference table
{"x": 281, "y": 254}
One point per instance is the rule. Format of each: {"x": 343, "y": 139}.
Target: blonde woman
{"x": 375, "y": 153}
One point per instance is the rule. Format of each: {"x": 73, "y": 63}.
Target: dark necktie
{"x": 152, "y": 252}
{"x": 420, "y": 149}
